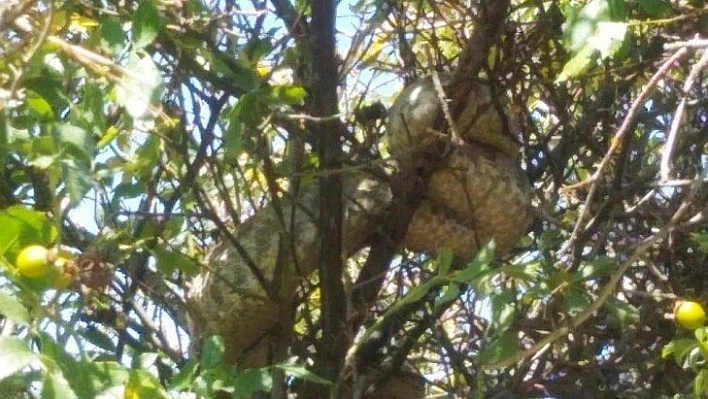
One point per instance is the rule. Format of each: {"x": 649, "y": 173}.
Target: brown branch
{"x": 323, "y": 103}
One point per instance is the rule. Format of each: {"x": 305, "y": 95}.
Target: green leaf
{"x": 99, "y": 338}
{"x": 445, "y": 256}
{"x": 146, "y": 24}
{"x": 290, "y": 95}
{"x": 575, "y": 302}
{"x": 257, "y": 48}
{"x": 449, "y": 294}
{"x": 13, "y": 310}
{"x": 108, "y": 136}
{"x": 599, "y": 267}
{"x": 700, "y": 384}
{"x": 142, "y": 384}
{"x": 89, "y": 114}
{"x": 250, "y": 381}
{"x": 39, "y": 108}
{"x": 678, "y": 348}
{"x": 112, "y": 36}
{"x": 168, "y": 260}
{"x": 87, "y": 379}
{"x": 480, "y": 264}
{"x": 146, "y": 158}
{"x": 212, "y": 351}
{"x": 656, "y": 8}
{"x": 622, "y": 313}
{"x": 22, "y": 227}
{"x": 618, "y": 10}
{"x": 294, "y": 370}
{"x": 77, "y": 180}
{"x": 52, "y": 92}
{"x": 582, "y": 23}
{"x": 415, "y": 294}
{"x": 503, "y": 311}
{"x": 250, "y": 109}
{"x": 141, "y": 89}
{"x": 14, "y": 356}
{"x": 701, "y": 335}
{"x": 577, "y": 65}
{"x": 503, "y": 347}
{"x": 56, "y": 386}
{"x": 608, "y": 38}
{"x": 702, "y": 240}
{"x": 185, "y": 377}
{"x": 232, "y": 139}
{"x": 77, "y": 139}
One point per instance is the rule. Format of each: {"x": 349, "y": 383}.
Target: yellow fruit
{"x": 690, "y": 315}
{"x": 33, "y": 261}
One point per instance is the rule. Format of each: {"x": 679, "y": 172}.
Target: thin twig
{"x": 623, "y": 131}
{"x": 608, "y": 289}
{"x": 665, "y": 164}
{"x": 696, "y": 43}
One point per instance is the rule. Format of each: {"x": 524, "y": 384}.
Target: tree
{"x": 223, "y": 176}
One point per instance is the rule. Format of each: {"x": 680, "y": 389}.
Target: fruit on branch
{"x": 48, "y": 267}
{"x": 33, "y": 261}
{"x": 689, "y": 315}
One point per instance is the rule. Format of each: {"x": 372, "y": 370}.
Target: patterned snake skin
{"x": 478, "y": 194}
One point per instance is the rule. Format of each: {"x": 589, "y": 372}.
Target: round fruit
{"x": 690, "y": 315}
{"x": 33, "y": 261}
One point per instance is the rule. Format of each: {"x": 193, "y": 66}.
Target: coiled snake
{"x": 478, "y": 194}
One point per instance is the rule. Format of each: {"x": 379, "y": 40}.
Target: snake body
{"x": 478, "y": 194}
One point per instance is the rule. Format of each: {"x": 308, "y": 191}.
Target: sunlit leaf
{"x": 13, "y": 310}
{"x": 232, "y": 139}
{"x": 301, "y": 372}
{"x": 140, "y": 90}
{"x": 56, "y": 387}
{"x": 500, "y": 348}
{"x": 290, "y": 95}
{"x": 577, "y": 65}
{"x": 77, "y": 180}
{"x": 112, "y": 36}
{"x": 503, "y": 311}
{"x": 146, "y": 24}
{"x": 169, "y": 260}
{"x": 142, "y": 384}
{"x": 212, "y": 351}
{"x": 608, "y": 38}
{"x": 22, "y": 227}
{"x": 14, "y": 356}
{"x": 40, "y": 108}
{"x": 253, "y": 380}
{"x": 678, "y": 348}
{"x": 185, "y": 377}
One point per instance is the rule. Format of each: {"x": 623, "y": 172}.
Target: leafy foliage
{"x": 135, "y": 135}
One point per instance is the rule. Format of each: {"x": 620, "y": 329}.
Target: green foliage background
{"x": 132, "y": 133}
